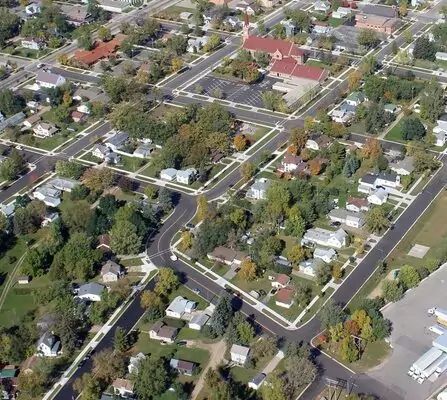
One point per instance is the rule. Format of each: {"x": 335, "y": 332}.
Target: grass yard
{"x": 244, "y": 374}
{"x": 150, "y": 171}
{"x": 317, "y": 63}
{"x": 160, "y": 111}
{"x": 358, "y": 127}
{"x": 395, "y": 133}
{"x": 185, "y": 292}
{"x": 189, "y": 334}
{"x": 131, "y": 262}
{"x": 9, "y": 260}
{"x": 131, "y": 164}
{"x": 334, "y": 22}
{"x": 90, "y": 157}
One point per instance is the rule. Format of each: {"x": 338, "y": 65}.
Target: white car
{"x": 431, "y": 311}
{"x": 173, "y": 257}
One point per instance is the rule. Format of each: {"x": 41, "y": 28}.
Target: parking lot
{"x": 410, "y": 337}
{"x": 234, "y": 91}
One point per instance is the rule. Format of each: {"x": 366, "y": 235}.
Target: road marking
{"x": 167, "y": 230}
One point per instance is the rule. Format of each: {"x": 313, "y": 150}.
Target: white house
{"x": 440, "y": 136}
{"x": 143, "y": 151}
{"x": 187, "y": 176}
{"x": 49, "y": 218}
{"x": 285, "y": 297}
{"x": 239, "y": 354}
{"x": 48, "y": 194}
{"x": 357, "y": 204}
{"x": 48, "y": 345}
{"x": 342, "y": 12}
{"x": 258, "y": 190}
{"x": 123, "y": 387}
{"x": 47, "y": 79}
{"x": 325, "y": 254}
{"x": 100, "y": 151}
{"x": 403, "y": 167}
{"x": 132, "y": 367}
{"x": 341, "y": 116}
{"x": 90, "y": 291}
{"x": 45, "y": 129}
{"x": 352, "y": 219}
{"x": 370, "y": 182}
{"x": 111, "y": 271}
{"x": 162, "y": 332}
{"x": 317, "y": 141}
{"x": 292, "y": 163}
{"x": 325, "y": 237}
{"x": 168, "y": 174}
{"x": 83, "y": 108}
{"x": 233, "y": 21}
{"x": 309, "y": 267}
{"x": 63, "y": 184}
{"x": 33, "y": 44}
{"x": 257, "y": 381}
{"x": 441, "y": 56}
{"x": 322, "y": 6}
{"x": 33, "y": 8}
{"x": 355, "y": 99}
{"x": 198, "y": 321}
{"x": 378, "y": 197}
{"x": 180, "y": 306}
{"x": 281, "y": 281}
{"x": 322, "y": 30}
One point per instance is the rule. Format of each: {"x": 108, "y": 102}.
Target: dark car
{"x": 380, "y": 187}
{"x": 335, "y": 223}
{"x": 190, "y": 225}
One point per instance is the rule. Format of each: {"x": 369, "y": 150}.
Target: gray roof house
{"x": 47, "y": 79}
{"x": 48, "y": 345}
{"x": 403, "y": 167}
{"x": 186, "y": 176}
{"x": 325, "y": 237}
{"x": 143, "y": 150}
{"x": 111, "y": 271}
{"x": 168, "y": 174}
{"x": 48, "y": 194}
{"x": 180, "y": 306}
{"x": 64, "y": 184}
{"x": 134, "y": 361}
{"x": 90, "y": 291}
{"x": 309, "y": 267}
{"x": 182, "y": 367}
{"x": 325, "y": 254}
{"x": 259, "y": 189}
{"x": 355, "y": 98}
{"x": 117, "y": 141}
{"x": 257, "y": 381}
{"x": 352, "y": 219}
{"x": 198, "y": 321}
{"x": 100, "y": 151}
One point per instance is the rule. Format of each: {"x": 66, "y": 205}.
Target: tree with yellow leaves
{"x": 203, "y": 208}
{"x": 240, "y": 142}
{"x": 186, "y": 242}
{"x": 176, "y": 64}
{"x": 249, "y": 270}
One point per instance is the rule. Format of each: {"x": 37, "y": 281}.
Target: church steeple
{"x": 246, "y": 27}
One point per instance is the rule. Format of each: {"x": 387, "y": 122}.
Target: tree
{"x": 152, "y": 378}
{"x": 149, "y": 299}
{"x": 35, "y": 263}
{"x": 24, "y": 222}
{"x": 86, "y": 386}
{"x": 167, "y": 281}
{"x": 323, "y": 273}
{"x": 77, "y": 215}
{"x": 31, "y": 385}
{"x": 331, "y": 314}
{"x": 98, "y": 178}
{"x": 69, "y": 169}
{"x": 300, "y": 373}
{"x": 368, "y": 38}
{"x": 348, "y": 350}
{"x": 240, "y": 142}
{"x": 337, "y": 272}
{"x": 274, "y": 389}
{"x": 412, "y": 129}
{"x": 203, "y": 208}
{"x": 424, "y": 49}
{"x": 177, "y": 64}
{"x": 248, "y": 270}
{"x": 10, "y": 103}
{"x": 303, "y": 294}
{"x": 186, "y": 241}
{"x": 84, "y": 37}
{"x": 274, "y": 101}
{"x": 315, "y": 166}
{"x": 107, "y": 366}
{"x": 239, "y": 218}
{"x": 221, "y": 317}
{"x": 298, "y": 138}
{"x": 371, "y": 150}
{"x": 432, "y": 101}
{"x": 376, "y": 220}
{"x": 212, "y": 43}
{"x": 295, "y": 224}
{"x": 151, "y": 192}
{"x": 120, "y": 340}
{"x": 392, "y": 291}
{"x": 247, "y": 170}
{"x": 278, "y": 200}
{"x": 409, "y": 277}
{"x": 165, "y": 199}
{"x": 264, "y": 347}
{"x": 354, "y": 79}
{"x": 246, "y": 332}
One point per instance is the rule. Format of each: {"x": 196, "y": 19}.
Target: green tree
{"x": 124, "y": 238}
{"x": 295, "y": 224}
{"x": 424, "y": 49}
{"x": 212, "y": 43}
{"x": 35, "y": 263}
{"x": 203, "y": 208}
{"x": 69, "y": 169}
{"x": 152, "y": 379}
{"x": 165, "y": 199}
{"x": 323, "y": 273}
{"x": 300, "y": 373}
{"x": 98, "y": 178}
{"x": 432, "y": 101}
{"x": 167, "y": 281}
{"x": 377, "y": 220}
{"x": 331, "y": 314}
{"x": 84, "y": 37}
{"x": 264, "y": 347}
{"x": 10, "y": 103}
{"x": 24, "y": 222}
{"x": 368, "y": 38}
{"x": 246, "y": 332}
{"x": 274, "y": 389}
{"x": 278, "y": 200}
{"x": 104, "y": 34}
{"x": 392, "y": 291}
{"x": 221, "y": 318}
{"x": 274, "y": 101}
{"x": 249, "y": 270}
{"x": 247, "y": 170}
{"x": 149, "y": 299}
{"x": 348, "y": 350}
{"x": 409, "y": 277}
{"x": 86, "y": 386}
{"x": 120, "y": 340}
{"x": 412, "y": 129}
{"x": 107, "y": 366}
{"x": 77, "y": 215}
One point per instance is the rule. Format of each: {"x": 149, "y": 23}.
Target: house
{"x": 76, "y": 15}
{"x": 309, "y": 267}
{"x": 162, "y": 332}
{"x": 123, "y": 388}
{"x": 289, "y": 26}
{"x": 257, "y": 381}
{"x": 258, "y": 190}
{"x": 143, "y": 151}
{"x": 403, "y": 167}
{"x": 32, "y": 104}
{"x": 441, "y": 56}
{"x": 86, "y": 94}
{"x": 357, "y": 204}
{"x": 440, "y": 136}
{"x": 371, "y": 181}
{"x": 196, "y": 44}
{"x": 8, "y": 372}
{"x": 355, "y": 99}
{"x": 8, "y": 209}
{"x": 31, "y": 120}
{"x": 284, "y": 297}
{"x": 380, "y": 10}
{"x": 281, "y": 260}
{"x": 187, "y": 176}
{"x": 391, "y": 108}
{"x": 239, "y": 354}
{"x": 291, "y": 70}
{"x": 104, "y": 242}
{"x": 111, "y": 271}
{"x": 281, "y": 281}
{"x": 198, "y": 321}
{"x": 268, "y": 3}
{"x": 47, "y": 79}
{"x": 226, "y": 255}
{"x": 48, "y": 194}
{"x": 63, "y": 184}
{"x": 132, "y": 367}
{"x": 378, "y": 197}
{"x": 113, "y": 6}
{"x": 83, "y": 108}
{"x": 23, "y": 280}
{"x": 325, "y": 254}
{"x": 90, "y": 291}
{"x": 441, "y": 123}
{"x": 277, "y": 49}
{"x": 78, "y": 117}
{"x": 45, "y": 129}
{"x": 102, "y": 50}
{"x": 116, "y": 142}
{"x": 324, "y": 237}
{"x": 48, "y": 345}
{"x": 322, "y": 6}
{"x": 183, "y": 367}
{"x": 352, "y": 219}
{"x": 49, "y": 218}
{"x": 322, "y": 30}
{"x": 317, "y": 141}
{"x": 380, "y": 24}
{"x": 233, "y": 21}
{"x": 180, "y": 306}
{"x": 341, "y": 116}
{"x": 342, "y": 12}
{"x": 291, "y": 163}
{"x": 100, "y": 151}
{"x": 168, "y": 174}
{"x": 32, "y": 9}
{"x": 185, "y": 15}
{"x": 416, "y": 3}
{"x": 33, "y": 43}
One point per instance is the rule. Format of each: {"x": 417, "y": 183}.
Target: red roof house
{"x": 281, "y": 281}
{"x": 288, "y": 68}
{"x": 77, "y": 116}
{"x": 99, "y": 52}
{"x": 284, "y": 298}
{"x": 277, "y": 49}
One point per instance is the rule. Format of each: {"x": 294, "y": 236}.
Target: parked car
{"x": 195, "y": 290}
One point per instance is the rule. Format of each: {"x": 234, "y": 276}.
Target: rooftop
{"x": 285, "y": 295}
{"x": 101, "y": 50}
{"x": 270, "y": 46}
{"x": 240, "y": 350}
{"x": 290, "y": 67}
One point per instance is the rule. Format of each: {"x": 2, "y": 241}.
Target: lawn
{"x": 131, "y": 164}
{"x": 395, "y": 133}
{"x": 317, "y": 63}
{"x": 244, "y": 374}
{"x": 334, "y": 22}
{"x": 185, "y": 292}
{"x": 150, "y": 171}
{"x": 189, "y": 334}
{"x": 131, "y": 262}
{"x": 358, "y": 127}
{"x": 9, "y": 260}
